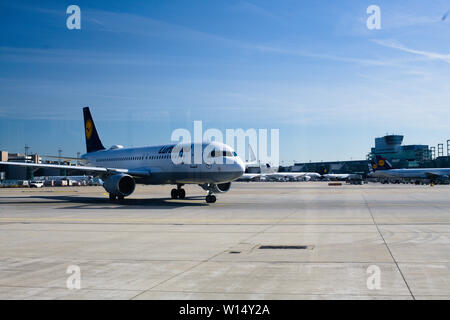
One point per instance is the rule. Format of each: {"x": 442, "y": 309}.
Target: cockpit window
{"x": 227, "y": 154}
{"x": 217, "y": 153}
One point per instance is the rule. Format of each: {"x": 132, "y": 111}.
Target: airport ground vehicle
{"x": 36, "y": 184}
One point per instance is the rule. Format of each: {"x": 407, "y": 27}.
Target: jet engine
{"x": 217, "y": 188}
{"x": 120, "y": 185}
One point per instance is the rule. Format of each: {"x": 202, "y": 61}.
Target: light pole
{"x": 59, "y": 155}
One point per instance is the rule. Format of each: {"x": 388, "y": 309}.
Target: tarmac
{"x": 368, "y": 241}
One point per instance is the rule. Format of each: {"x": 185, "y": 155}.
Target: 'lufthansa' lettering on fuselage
{"x": 166, "y": 149}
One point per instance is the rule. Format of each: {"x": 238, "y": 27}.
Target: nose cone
{"x": 239, "y": 168}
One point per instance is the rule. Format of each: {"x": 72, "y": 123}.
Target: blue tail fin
{"x": 381, "y": 164}
{"x": 93, "y": 142}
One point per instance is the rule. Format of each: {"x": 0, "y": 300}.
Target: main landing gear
{"x": 178, "y": 193}
{"x": 113, "y": 197}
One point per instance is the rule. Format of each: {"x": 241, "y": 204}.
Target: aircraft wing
{"x": 63, "y": 158}
{"x": 288, "y": 174}
{"x": 249, "y": 176}
{"x": 134, "y": 172}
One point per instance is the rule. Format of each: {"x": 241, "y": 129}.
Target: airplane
{"x": 122, "y": 168}
{"x": 304, "y": 176}
{"x": 250, "y": 177}
{"x": 262, "y": 175}
{"x": 314, "y": 175}
{"x": 287, "y": 176}
{"x": 383, "y": 169}
{"x": 271, "y": 173}
{"x": 339, "y": 176}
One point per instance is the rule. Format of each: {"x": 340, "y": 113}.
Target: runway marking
{"x": 222, "y": 221}
{"x": 176, "y": 220}
{"x": 310, "y": 204}
{"x": 387, "y": 247}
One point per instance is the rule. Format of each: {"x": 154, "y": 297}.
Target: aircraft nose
{"x": 239, "y": 167}
{"x": 234, "y": 169}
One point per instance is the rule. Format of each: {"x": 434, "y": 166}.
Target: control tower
{"x": 388, "y": 144}
{"x": 400, "y": 156}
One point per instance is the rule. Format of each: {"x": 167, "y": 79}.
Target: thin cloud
{"x": 400, "y": 20}
{"x": 137, "y": 25}
{"x": 148, "y": 27}
{"x": 251, "y": 8}
{"x": 324, "y": 56}
{"x": 428, "y": 54}
{"x": 63, "y": 56}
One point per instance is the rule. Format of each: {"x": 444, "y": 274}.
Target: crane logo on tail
{"x": 89, "y": 126}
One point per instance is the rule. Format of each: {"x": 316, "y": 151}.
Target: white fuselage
{"x": 157, "y": 160}
{"x": 421, "y": 173}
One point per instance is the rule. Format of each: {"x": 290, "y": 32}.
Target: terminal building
{"x": 400, "y": 156}
{"x": 352, "y": 166}
{"x": 23, "y": 173}
{"x": 389, "y": 147}
{"x": 14, "y": 172}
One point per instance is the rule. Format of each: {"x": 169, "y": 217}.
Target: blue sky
{"x": 311, "y": 69}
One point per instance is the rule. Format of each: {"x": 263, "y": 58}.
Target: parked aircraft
{"x": 122, "y": 168}
{"x": 268, "y": 173}
{"x": 381, "y": 168}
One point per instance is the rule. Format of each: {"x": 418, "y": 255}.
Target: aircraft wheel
{"x": 120, "y": 198}
{"x": 181, "y": 194}
{"x": 112, "y": 197}
{"x": 210, "y": 199}
{"x": 174, "y": 194}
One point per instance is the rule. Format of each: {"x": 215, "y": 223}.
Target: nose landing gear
{"x": 180, "y": 193}
{"x": 210, "y": 198}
